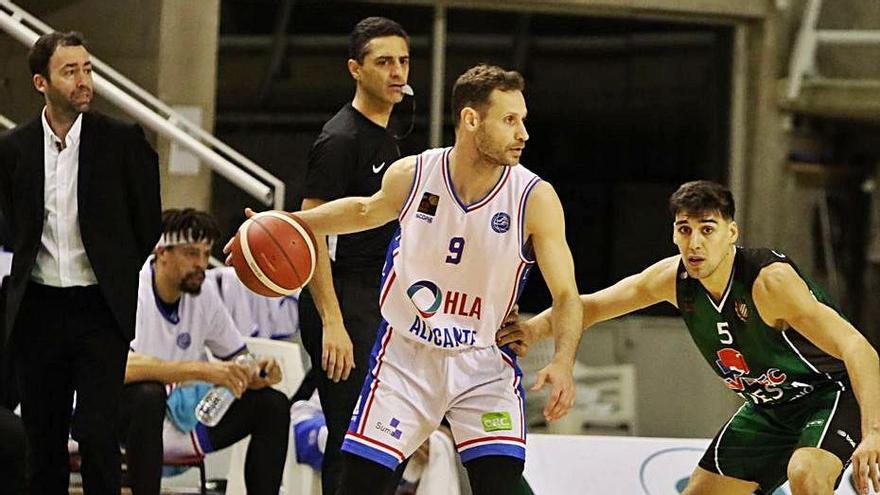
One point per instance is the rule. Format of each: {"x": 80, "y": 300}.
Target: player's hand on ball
{"x": 558, "y": 375}
{"x": 865, "y": 461}
{"x": 337, "y": 356}
{"x": 227, "y": 249}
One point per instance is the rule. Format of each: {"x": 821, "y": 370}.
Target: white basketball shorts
{"x": 410, "y": 387}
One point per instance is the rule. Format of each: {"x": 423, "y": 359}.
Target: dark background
{"x": 620, "y": 111}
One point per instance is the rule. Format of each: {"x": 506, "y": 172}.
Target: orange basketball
{"x": 274, "y": 253}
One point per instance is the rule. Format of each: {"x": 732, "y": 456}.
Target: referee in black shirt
{"x": 339, "y": 313}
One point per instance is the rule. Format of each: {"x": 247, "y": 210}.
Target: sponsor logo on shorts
{"x": 845, "y": 436}
{"x": 184, "y": 340}
{"x": 501, "y": 222}
{"x": 497, "y": 421}
{"x": 390, "y": 428}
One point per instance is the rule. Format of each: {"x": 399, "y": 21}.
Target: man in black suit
{"x": 81, "y": 194}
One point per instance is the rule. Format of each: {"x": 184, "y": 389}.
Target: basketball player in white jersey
{"x": 472, "y": 223}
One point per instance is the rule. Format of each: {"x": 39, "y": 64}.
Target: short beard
{"x": 189, "y": 287}
{"x": 66, "y": 105}
{"x": 486, "y": 156}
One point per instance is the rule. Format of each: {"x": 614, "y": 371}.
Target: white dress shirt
{"x": 62, "y": 260}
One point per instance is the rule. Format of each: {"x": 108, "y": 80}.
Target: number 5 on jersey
{"x": 726, "y": 336}
{"x": 456, "y": 248}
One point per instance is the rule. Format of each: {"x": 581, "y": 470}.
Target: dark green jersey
{"x": 762, "y": 364}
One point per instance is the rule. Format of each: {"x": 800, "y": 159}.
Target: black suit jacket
{"x": 118, "y": 203}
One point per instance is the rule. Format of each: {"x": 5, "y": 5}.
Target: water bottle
{"x": 216, "y": 402}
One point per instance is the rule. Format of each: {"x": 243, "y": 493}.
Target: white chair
{"x": 298, "y": 479}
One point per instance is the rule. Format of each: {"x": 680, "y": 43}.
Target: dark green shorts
{"x": 757, "y": 442}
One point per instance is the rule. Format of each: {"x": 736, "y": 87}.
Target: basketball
{"x": 274, "y": 253}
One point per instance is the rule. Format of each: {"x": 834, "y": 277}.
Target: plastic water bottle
{"x": 216, "y": 402}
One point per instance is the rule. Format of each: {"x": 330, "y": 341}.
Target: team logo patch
{"x": 732, "y": 362}
{"x": 496, "y": 421}
{"x": 501, "y": 222}
{"x": 184, "y": 340}
{"x": 425, "y": 296}
{"x": 742, "y": 309}
{"x": 428, "y": 204}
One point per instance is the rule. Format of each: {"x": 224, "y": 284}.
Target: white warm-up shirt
{"x": 199, "y": 322}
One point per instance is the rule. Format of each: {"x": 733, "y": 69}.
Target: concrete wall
{"x": 187, "y": 75}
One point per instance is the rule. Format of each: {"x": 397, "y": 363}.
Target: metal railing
{"x": 803, "y": 58}
{"x": 5, "y": 123}
{"x": 161, "y": 118}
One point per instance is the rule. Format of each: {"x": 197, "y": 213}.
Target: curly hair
{"x": 189, "y": 222}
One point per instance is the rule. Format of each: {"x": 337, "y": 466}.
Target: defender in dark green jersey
{"x": 811, "y": 382}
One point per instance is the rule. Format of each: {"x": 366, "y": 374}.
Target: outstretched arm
{"x": 653, "y": 285}
{"x": 356, "y": 214}
{"x": 782, "y": 297}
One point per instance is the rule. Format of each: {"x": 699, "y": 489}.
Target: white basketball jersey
{"x": 200, "y": 321}
{"x": 455, "y": 270}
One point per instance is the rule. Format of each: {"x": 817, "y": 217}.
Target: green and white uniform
{"x": 796, "y": 394}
